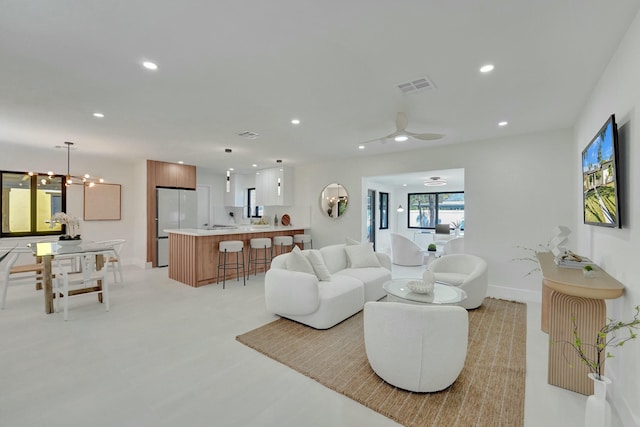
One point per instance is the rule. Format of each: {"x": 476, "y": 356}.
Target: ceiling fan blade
{"x": 401, "y": 122}
{"x": 382, "y": 140}
{"x": 425, "y": 136}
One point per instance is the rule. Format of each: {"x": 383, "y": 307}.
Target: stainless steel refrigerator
{"x": 174, "y": 209}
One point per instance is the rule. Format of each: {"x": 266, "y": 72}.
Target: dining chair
{"x": 91, "y": 280}
{"x": 19, "y": 274}
{"x": 113, "y": 263}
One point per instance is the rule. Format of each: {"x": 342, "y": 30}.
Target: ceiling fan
{"x": 401, "y": 133}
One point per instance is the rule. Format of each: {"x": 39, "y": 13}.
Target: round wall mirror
{"x": 334, "y": 200}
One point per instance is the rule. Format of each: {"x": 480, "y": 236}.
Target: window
{"x": 384, "y": 211}
{"x": 28, "y": 201}
{"x": 428, "y": 209}
{"x": 253, "y": 211}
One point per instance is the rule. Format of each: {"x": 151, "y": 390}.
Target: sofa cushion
{"x": 296, "y": 261}
{"x": 453, "y": 279}
{"x": 361, "y": 256}
{"x": 318, "y": 265}
{"x": 372, "y": 278}
{"x": 334, "y": 257}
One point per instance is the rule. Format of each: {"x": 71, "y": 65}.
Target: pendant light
{"x": 82, "y": 180}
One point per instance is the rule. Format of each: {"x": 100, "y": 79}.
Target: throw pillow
{"x": 317, "y": 262}
{"x": 362, "y": 256}
{"x": 296, "y": 261}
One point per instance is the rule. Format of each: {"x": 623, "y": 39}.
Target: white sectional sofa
{"x": 321, "y": 288}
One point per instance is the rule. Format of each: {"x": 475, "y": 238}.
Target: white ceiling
{"x": 226, "y": 67}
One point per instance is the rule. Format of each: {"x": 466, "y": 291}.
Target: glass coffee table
{"x": 442, "y": 294}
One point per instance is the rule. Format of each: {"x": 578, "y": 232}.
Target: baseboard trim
{"x": 514, "y": 294}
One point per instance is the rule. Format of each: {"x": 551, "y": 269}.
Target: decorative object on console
{"x": 588, "y": 271}
{"x": 560, "y": 236}
{"x": 598, "y": 411}
{"x": 432, "y": 247}
{"x": 285, "y": 220}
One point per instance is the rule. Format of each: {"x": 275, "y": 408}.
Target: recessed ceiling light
{"x": 360, "y": 147}
{"x": 295, "y": 121}
{"x": 401, "y": 138}
{"x": 503, "y": 123}
{"x": 486, "y": 68}
{"x": 231, "y": 169}
{"x": 98, "y": 115}
{"x": 181, "y": 162}
{"x": 404, "y": 185}
{"x": 149, "y": 65}
{"x": 254, "y": 165}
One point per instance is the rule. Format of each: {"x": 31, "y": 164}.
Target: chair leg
{"x": 224, "y": 270}
{"x": 66, "y": 300}
{"x": 244, "y": 278}
{"x": 105, "y": 293}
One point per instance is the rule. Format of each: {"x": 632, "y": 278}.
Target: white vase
{"x": 598, "y": 411}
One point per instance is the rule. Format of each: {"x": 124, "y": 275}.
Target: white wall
{"x": 617, "y": 250}
{"x": 116, "y": 171}
{"x": 516, "y": 190}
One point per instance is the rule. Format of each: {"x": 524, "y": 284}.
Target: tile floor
{"x": 166, "y": 355}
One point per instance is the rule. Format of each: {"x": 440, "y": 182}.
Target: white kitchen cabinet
{"x": 274, "y": 187}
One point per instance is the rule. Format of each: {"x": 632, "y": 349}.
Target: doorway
{"x": 371, "y": 217}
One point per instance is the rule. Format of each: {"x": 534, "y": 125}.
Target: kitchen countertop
{"x": 239, "y": 229}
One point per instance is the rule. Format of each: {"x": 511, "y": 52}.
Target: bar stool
{"x": 229, "y": 247}
{"x": 282, "y": 242}
{"x": 302, "y": 240}
{"x": 257, "y": 246}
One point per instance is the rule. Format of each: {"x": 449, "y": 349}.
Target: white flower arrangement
{"x": 72, "y": 223}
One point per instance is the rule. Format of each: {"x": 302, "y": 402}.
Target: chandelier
{"x": 86, "y": 179}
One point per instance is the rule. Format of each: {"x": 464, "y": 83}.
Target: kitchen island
{"x": 193, "y": 253}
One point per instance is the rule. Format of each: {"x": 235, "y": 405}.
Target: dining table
{"x": 47, "y": 251}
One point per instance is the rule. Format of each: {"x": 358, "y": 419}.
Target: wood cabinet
{"x": 163, "y": 174}
{"x": 570, "y": 300}
{"x": 274, "y": 187}
{"x": 193, "y": 260}
{"x": 175, "y": 175}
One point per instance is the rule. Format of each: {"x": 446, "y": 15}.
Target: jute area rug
{"x": 488, "y": 392}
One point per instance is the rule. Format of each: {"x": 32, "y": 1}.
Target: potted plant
{"x": 72, "y": 225}
{"x": 598, "y": 410}
{"x": 588, "y": 271}
{"x": 431, "y": 247}
{"x": 593, "y": 355}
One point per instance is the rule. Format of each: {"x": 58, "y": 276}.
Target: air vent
{"x": 249, "y": 135}
{"x": 416, "y": 86}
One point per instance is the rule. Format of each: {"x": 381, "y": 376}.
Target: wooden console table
{"x": 567, "y": 293}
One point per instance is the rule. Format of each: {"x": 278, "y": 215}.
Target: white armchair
{"x": 454, "y": 246}
{"x": 466, "y": 271}
{"x": 420, "y": 348}
{"x": 405, "y": 252}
